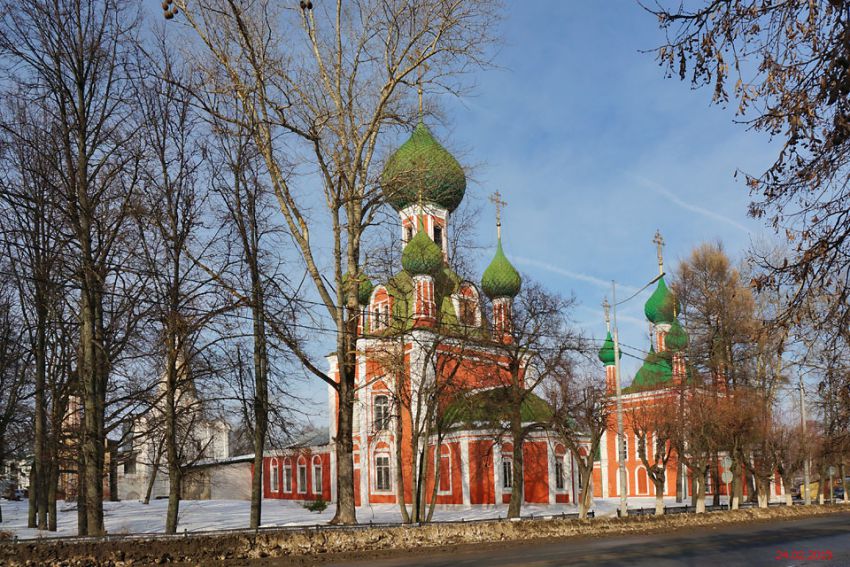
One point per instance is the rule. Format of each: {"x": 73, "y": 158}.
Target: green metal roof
{"x": 421, "y": 255}
{"x": 494, "y": 405}
{"x": 655, "y": 372}
{"x": 676, "y": 339}
{"x": 422, "y": 164}
{"x": 662, "y": 305}
{"x": 500, "y": 279}
{"x": 606, "y": 353}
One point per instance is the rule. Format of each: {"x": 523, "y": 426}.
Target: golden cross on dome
{"x": 659, "y": 243}
{"x": 496, "y": 199}
{"x": 606, "y": 307}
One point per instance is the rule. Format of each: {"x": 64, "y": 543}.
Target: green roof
{"x": 662, "y": 305}
{"x": 676, "y": 339}
{"x": 500, "y": 279}
{"x": 421, "y": 255}
{"x": 655, "y": 372}
{"x": 490, "y": 406}
{"x": 606, "y": 353}
{"x": 422, "y": 164}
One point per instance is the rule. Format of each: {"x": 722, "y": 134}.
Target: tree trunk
{"x": 40, "y": 466}
{"x": 82, "y": 515}
{"x": 699, "y": 490}
{"x": 171, "y": 447}
{"x": 345, "y": 512}
{"x": 93, "y": 374}
{"x": 261, "y": 403}
{"x": 586, "y": 495}
{"x": 680, "y": 481}
{"x": 659, "y": 496}
{"x": 763, "y": 490}
{"x": 152, "y": 479}
{"x": 841, "y": 471}
{"x": 399, "y": 476}
{"x": 715, "y": 481}
{"x": 737, "y": 488}
{"x": 32, "y": 517}
{"x": 517, "y": 486}
{"x": 52, "y": 489}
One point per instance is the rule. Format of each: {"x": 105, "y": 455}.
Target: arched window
{"x": 317, "y": 475}
{"x": 507, "y": 473}
{"x": 302, "y": 475}
{"x": 273, "y": 476}
{"x": 287, "y": 475}
{"x": 382, "y": 412}
{"x": 467, "y": 306}
{"x": 560, "y": 454}
{"x": 383, "y": 476}
{"x": 438, "y": 236}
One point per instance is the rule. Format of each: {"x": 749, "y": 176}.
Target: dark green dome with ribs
{"x": 423, "y": 164}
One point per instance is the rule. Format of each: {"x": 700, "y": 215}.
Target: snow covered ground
{"x": 132, "y": 517}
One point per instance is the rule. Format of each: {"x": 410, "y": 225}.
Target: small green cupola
{"x": 606, "y": 353}
{"x": 364, "y": 287}
{"x": 676, "y": 340}
{"x": 423, "y": 165}
{"x": 501, "y": 279}
{"x": 421, "y": 256}
{"x": 662, "y": 305}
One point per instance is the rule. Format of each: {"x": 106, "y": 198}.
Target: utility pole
{"x": 807, "y": 498}
{"x": 621, "y": 448}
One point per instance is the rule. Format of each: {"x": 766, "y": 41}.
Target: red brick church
{"x": 412, "y": 347}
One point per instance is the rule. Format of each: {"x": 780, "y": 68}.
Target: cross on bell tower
{"x": 659, "y": 243}
{"x": 496, "y": 199}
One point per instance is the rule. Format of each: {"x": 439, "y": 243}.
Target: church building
{"x": 427, "y": 364}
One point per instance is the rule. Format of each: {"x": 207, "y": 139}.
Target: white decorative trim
{"x": 603, "y": 461}
{"x": 497, "y": 473}
{"x": 439, "y": 455}
{"x": 464, "y": 470}
{"x": 550, "y": 466}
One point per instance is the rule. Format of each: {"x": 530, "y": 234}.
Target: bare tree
{"x": 581, "y": 410}
{"x": 328, "y": 83}
{"x": 538, "y": 345}
{"x": 654, "y": 425}
{"x": 73, "y": 58}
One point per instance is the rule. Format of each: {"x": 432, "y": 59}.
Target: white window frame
{"x": 317, "y": 480}
{"x": 384, "y": 423}
{"x": 287, "y": 476}
{"x": 559, "y": 462}
{"x": 302, "y": 488}
{"x": 274, "y": 472}
{"x": 389, "y": 467}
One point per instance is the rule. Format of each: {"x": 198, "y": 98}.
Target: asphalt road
{"x": 804, "y": 541}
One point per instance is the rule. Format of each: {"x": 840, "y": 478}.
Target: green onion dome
{"x": 500, "y": 279}
{"x": 606, "y": 353}
{"x": 656, "y": 370}
{"x": 662, "y": 305}
{"x": 676, "y": 339}
{"x": 364, "y": 287}
{"x": 421, "y": 163}
{"x": 421, "y": 256}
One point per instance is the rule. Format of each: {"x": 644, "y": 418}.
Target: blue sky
{"x": 594, "y": 150}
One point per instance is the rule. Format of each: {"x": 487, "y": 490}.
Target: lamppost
{"x": 621, "y": 437}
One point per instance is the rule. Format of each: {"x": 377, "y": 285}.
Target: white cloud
{"x": 570, "y": 274}
{"x": 652, "y": 185}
